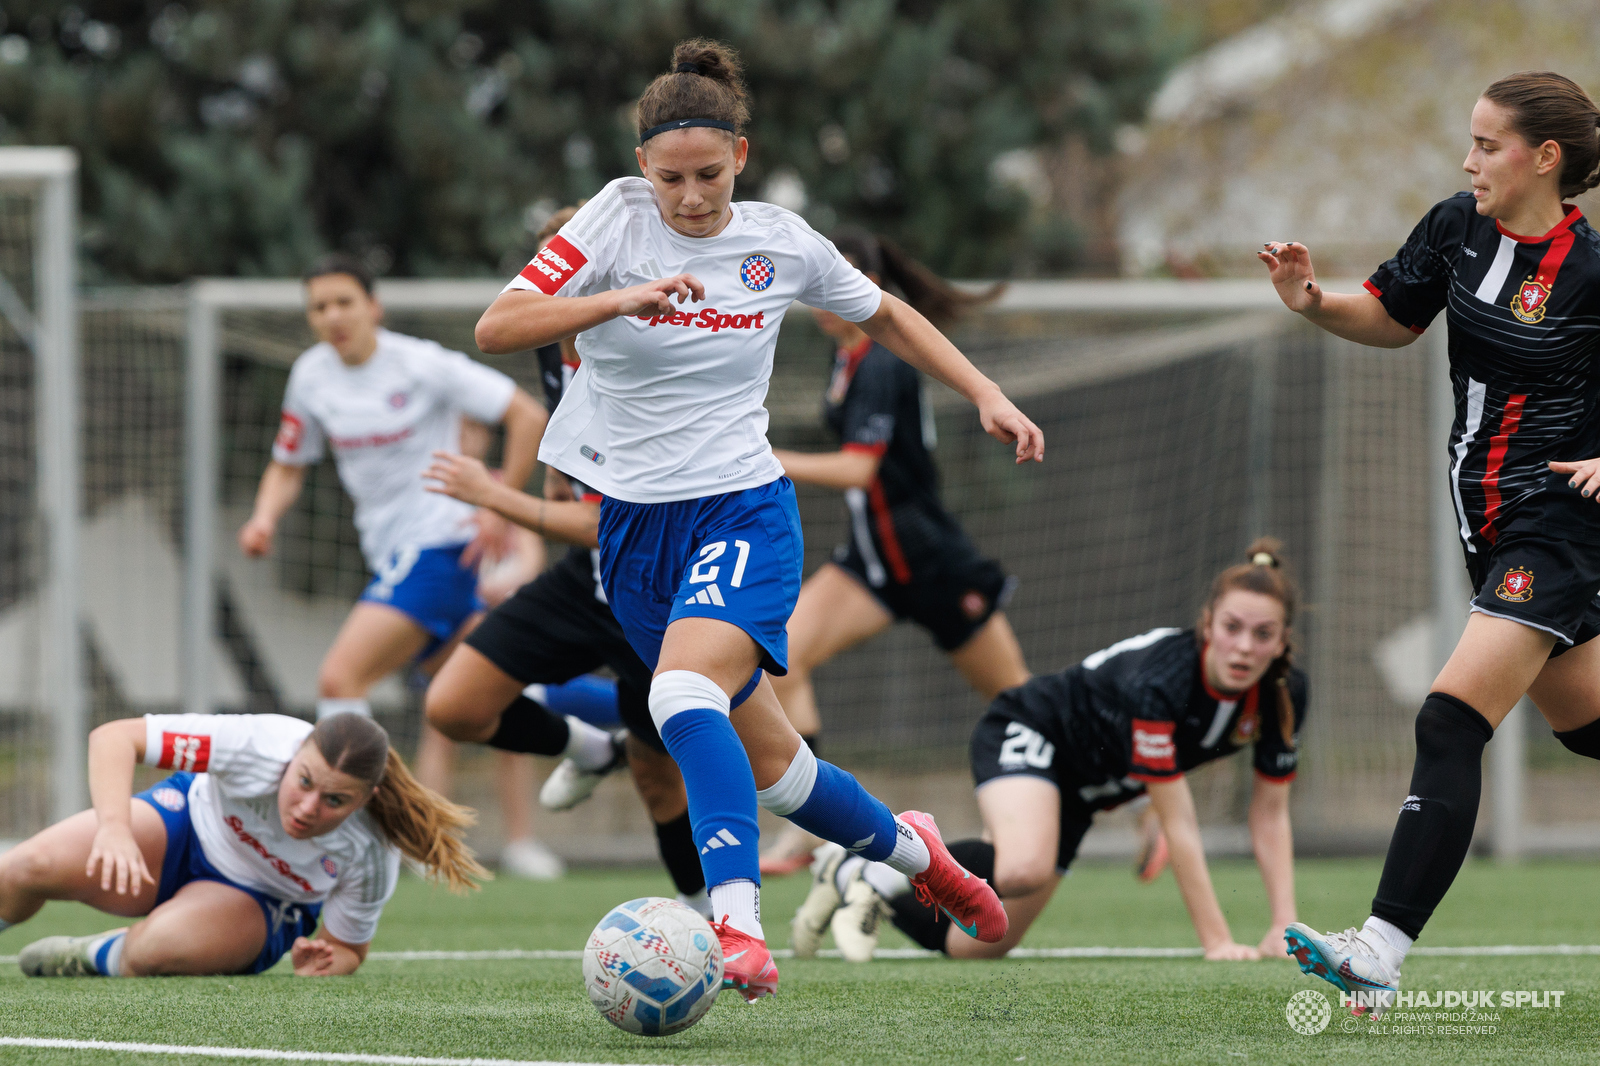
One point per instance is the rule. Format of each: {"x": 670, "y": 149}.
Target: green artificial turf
{"x": 892, "y": 1011}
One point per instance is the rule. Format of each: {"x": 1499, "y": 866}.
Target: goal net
{"x": 1182, "y": 420}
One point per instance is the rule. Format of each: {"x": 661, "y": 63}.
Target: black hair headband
{"x": 683, "y": 124}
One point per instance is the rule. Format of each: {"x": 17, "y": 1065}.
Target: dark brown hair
{"x": 1263, "y": 572}
{"x": 939, "y": 302}
{"x": 340, "y": 263}
{"x": 553, "y": 224}
{"x": 1545, "y": 106}
{"x": 424, "y": 825}
{"x": 706, "y": 81}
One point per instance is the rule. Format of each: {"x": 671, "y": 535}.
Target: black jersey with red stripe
{"x": 1524, "y": 318}
{"x": 874, "y": 403}
{"x": 1141, "y": 711}
{"x": 555, "y": 374}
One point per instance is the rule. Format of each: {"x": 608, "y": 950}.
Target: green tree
{"x": 245, "y": 136}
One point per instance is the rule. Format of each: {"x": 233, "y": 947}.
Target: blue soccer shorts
{"x": 431, "y": 587}
{"x": 735, "y": 557}
{"x": 185, "y": 861}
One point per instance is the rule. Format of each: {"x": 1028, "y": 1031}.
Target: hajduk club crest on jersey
{"x": 1529, "y": 300}
{"x": 757, "y": 272}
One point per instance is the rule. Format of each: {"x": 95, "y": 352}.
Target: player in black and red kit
{"x": 557, "y": 627}
{"x": 907, "y": 557}
{"x": 1524, "y": 317}
{"x": 1129, "y": 720}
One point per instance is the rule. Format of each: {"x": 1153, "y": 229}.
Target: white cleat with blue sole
{"x": 1350, "y": 961}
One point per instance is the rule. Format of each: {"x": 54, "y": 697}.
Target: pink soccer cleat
{"x": 968, "y": 900}
{"x": 747, "y": 965}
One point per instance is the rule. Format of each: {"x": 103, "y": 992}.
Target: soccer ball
{"x": 652, "y": 966}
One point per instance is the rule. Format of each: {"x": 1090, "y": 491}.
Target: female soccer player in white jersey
{"x": 266, "y": 824}
{"x": 1518, "y": 273}
{"x": 907, "y": 557}
{"x": 700, "y": 545}
{"x": 1128, "y": 721}
{"x": 384, "y": 403}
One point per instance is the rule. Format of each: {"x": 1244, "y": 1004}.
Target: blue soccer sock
{"x": 692, "y": 714}
{"x": 820, "y": 798}
{"x": 591, "y": 698}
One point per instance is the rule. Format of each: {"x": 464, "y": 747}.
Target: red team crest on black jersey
{"x": 1528, "y": 303}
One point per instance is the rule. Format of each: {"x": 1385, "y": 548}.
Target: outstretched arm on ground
{"x": 1174, "y": 804}
{"x": 1273, "y": 842}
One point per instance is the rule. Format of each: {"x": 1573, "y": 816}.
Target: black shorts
{"x": 554, "y": 629}
{"x": 951, "y": 593}
{"x": 1541, "y": 581}
{"x": 1009, "y": 742}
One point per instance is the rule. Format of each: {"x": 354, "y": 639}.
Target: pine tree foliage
{"x": 245, "y": 136}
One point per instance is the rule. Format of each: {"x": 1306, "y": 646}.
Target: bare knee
{"x": 1021, "y": 877}
{"x": 455, "y": 717}
{"x": 25, "y": 868}
{"x": 337, "y": 682}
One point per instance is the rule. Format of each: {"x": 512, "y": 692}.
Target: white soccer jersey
{"x": 384, "y": 420}
{"x": 238, "y": 760}
{"x": 671, "y": 407}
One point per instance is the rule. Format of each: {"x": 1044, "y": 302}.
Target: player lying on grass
{"x": 907, "y": 557}
{"x": 1517, "y": 272}
{"x": 700, "y": 542}
{"x": 1131, "y": 719}
{"x": 552, "y": 630}
{"x": 268, "y": 824}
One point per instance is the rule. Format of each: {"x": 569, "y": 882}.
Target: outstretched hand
{"x": 1289, "y": 267}
{"x": 655, "y": 297}
{"x": 1002, "y": 421}
{"x": 1585, "y": 475}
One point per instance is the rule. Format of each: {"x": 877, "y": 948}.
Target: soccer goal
{"x": 43, "y": 713}
{"x": 1182, "y": 419}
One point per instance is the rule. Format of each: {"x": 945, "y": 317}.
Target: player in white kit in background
{"x": 700, "y": 543}
{"x": 267, "y": 824}
{"x": 384, "y": 403}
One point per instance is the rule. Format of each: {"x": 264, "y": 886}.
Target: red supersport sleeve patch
{"x": 291, "y": 431}
{"x": 185, "y": 751}
{"x": 1153, "y": 747}
{"x": 554, "y": 265}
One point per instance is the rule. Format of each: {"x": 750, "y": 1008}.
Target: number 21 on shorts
{"x": 706, "y": 569}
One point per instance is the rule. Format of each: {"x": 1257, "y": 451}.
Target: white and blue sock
{"x": 691, "y": 712}
{"x": 820, "y": 798}
{"x": 332, "y": 705}
{"x": 106, "y": 953}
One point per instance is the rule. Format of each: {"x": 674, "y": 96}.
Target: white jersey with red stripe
{"x": 1524, "y": 317}
{"x": 238, "y": 760}
{"x": 672, "y": 407}
{"x": 384, "y": 420}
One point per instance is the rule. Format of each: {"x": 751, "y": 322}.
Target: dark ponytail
{"x": 939, "y": 302}
{"x": 1263, "y": 572}
{"x": 706, "y": 81}
{"x": 1546, "y": 106}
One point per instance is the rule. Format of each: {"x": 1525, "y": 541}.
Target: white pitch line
{"x": 270, "y": 1054}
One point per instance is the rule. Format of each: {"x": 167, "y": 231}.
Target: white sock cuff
{"x": 1389, "y": 933}
{"x": 910, "y": 855}
{"x": 331, "y": 706}
{"x": 794, "y": 787}
{"x": 677, "y": 691}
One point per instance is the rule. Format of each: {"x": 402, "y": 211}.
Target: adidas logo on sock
{"x": 708, "y": 595}
{"x": 723, "y": 839}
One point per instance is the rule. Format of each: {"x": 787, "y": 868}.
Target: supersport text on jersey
{"x": 238, "y": 761}
{"x": 384, "y": 420}
{"x": 672, "y": 407}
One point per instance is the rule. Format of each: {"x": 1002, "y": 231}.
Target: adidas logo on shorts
{"x": 708, "y": 595}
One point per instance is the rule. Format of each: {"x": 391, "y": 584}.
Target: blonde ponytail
{"x": 426, "y": 827}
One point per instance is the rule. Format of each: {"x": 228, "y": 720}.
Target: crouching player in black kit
{"x": 1518, "y": 273}
{"x": 1127, "y": 720}
{"x": 553, "y": 629}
